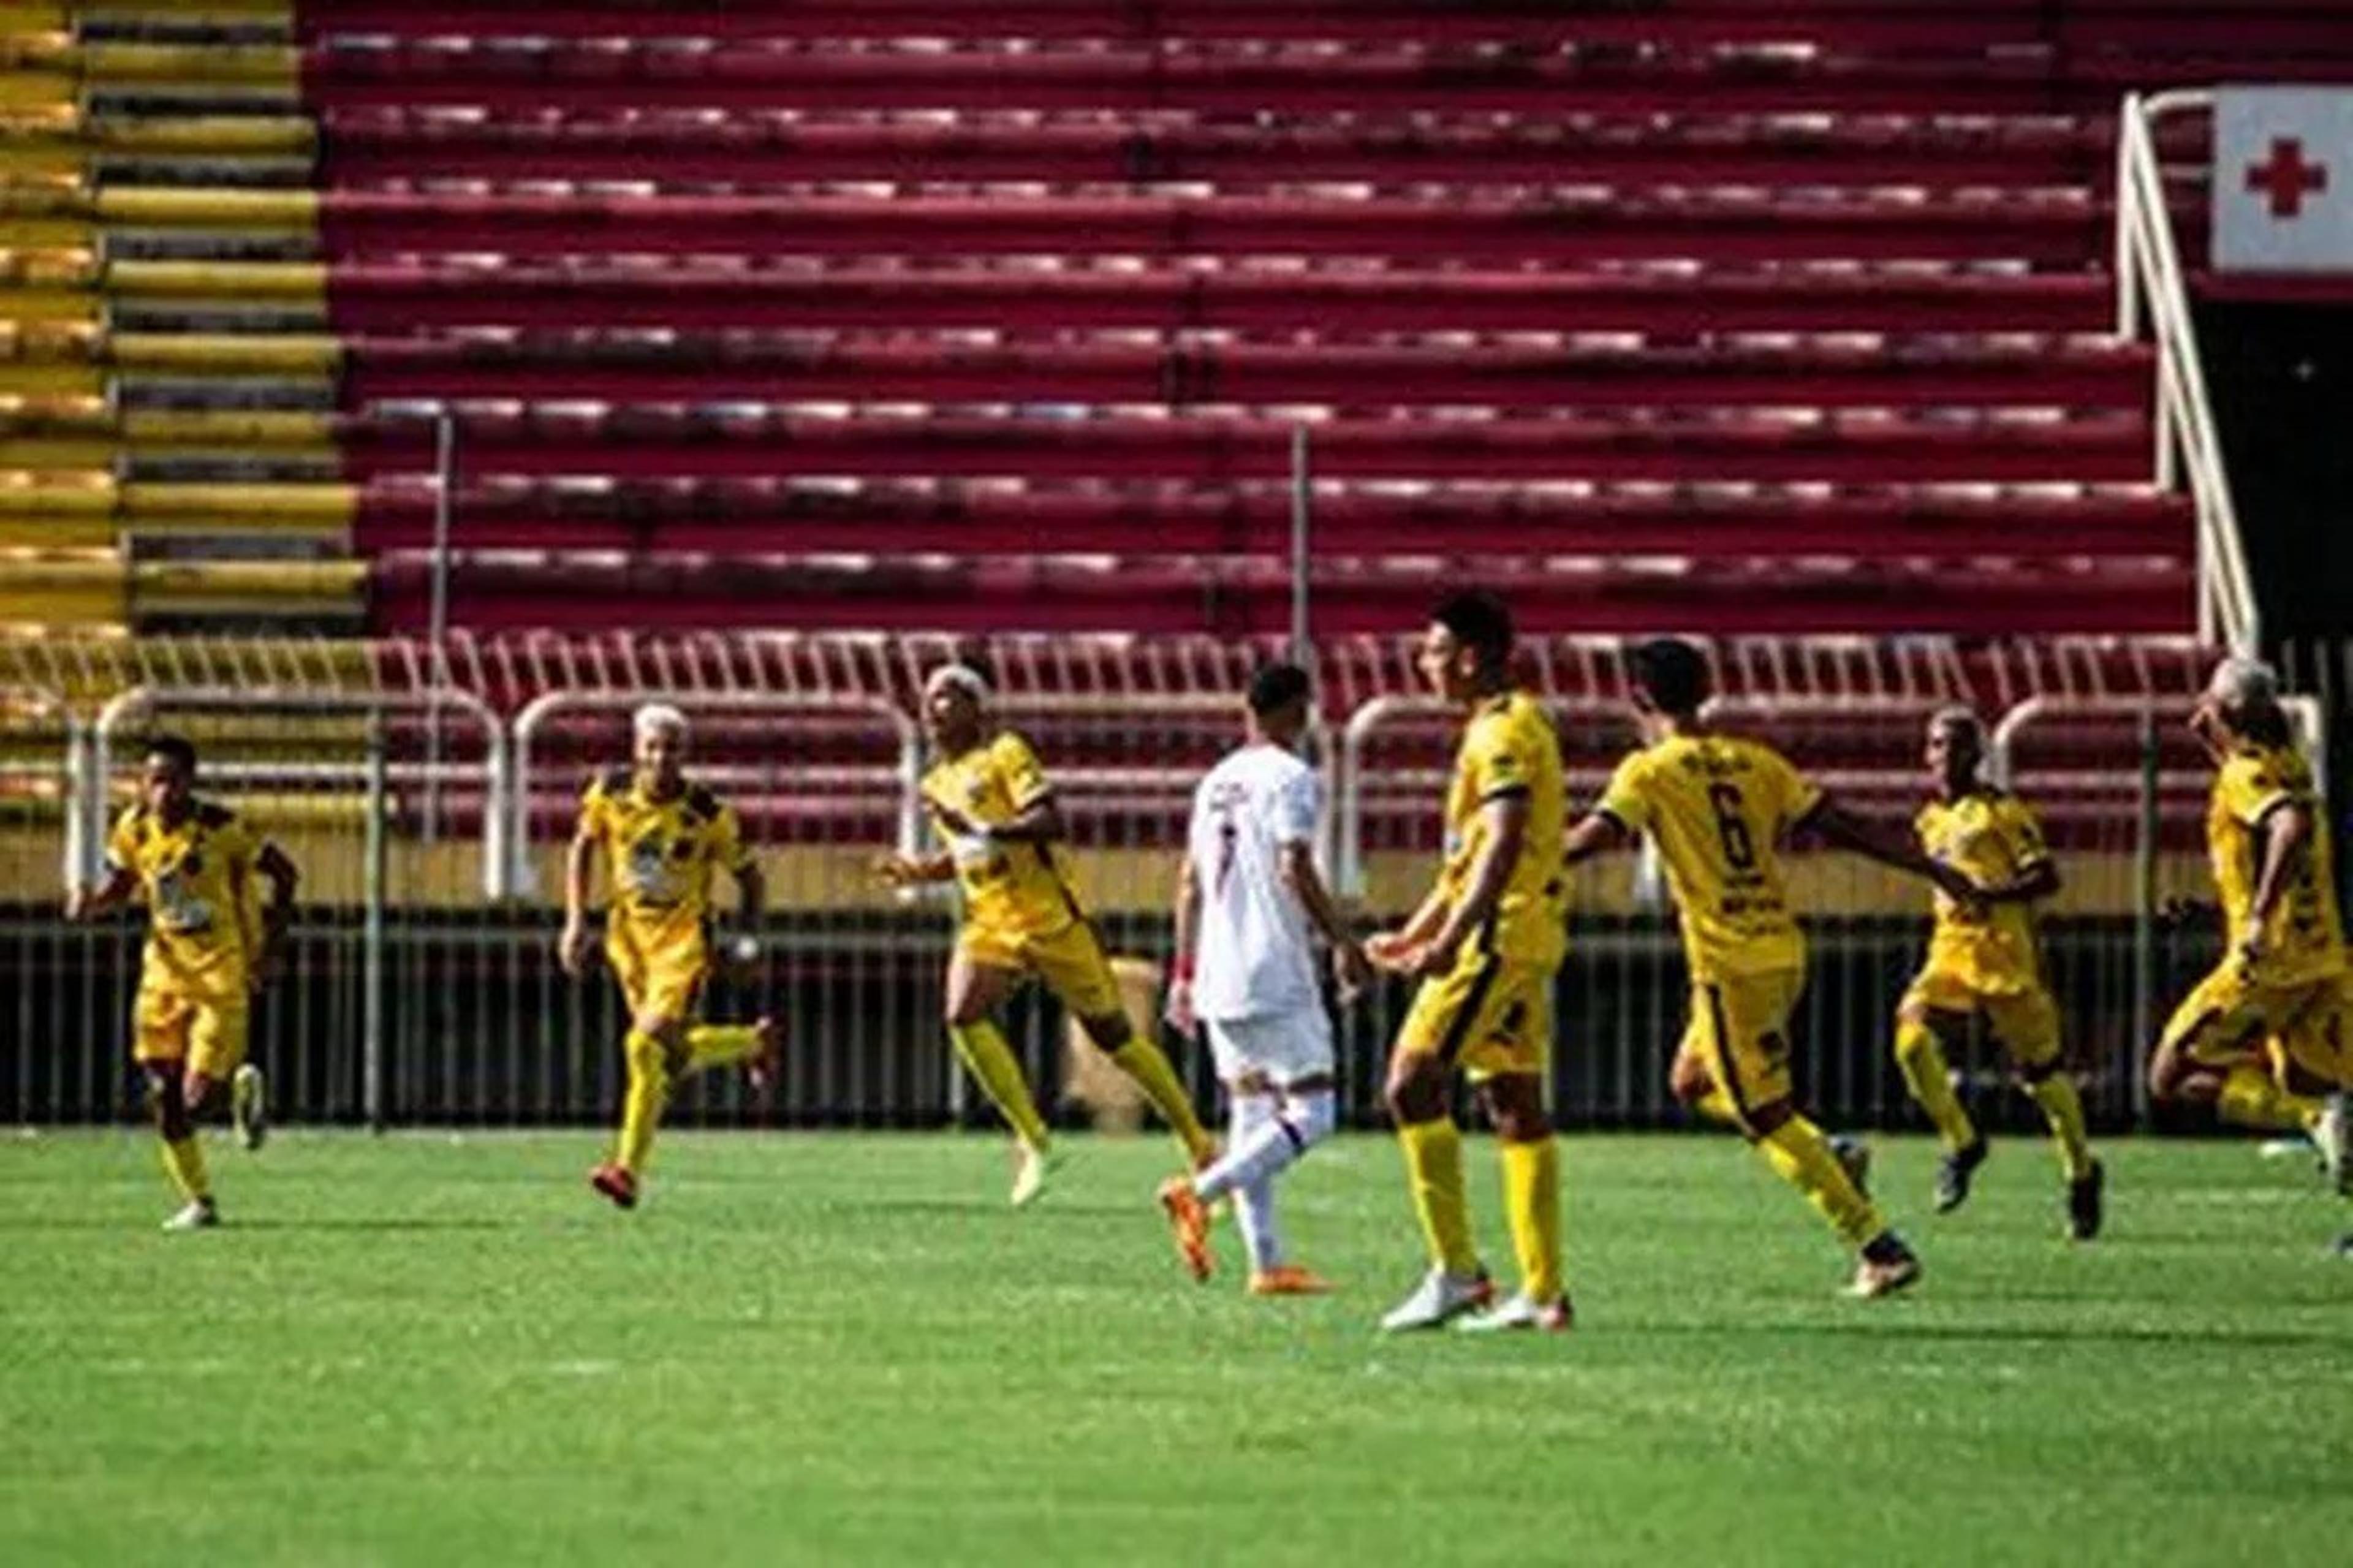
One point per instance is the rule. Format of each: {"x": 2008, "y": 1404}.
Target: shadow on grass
{"x": 1886, "y": 1326}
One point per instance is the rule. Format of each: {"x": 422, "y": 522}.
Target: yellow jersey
{"x": 2303, "y": 941}
{"x": 1992, "y": 838}
{"x": 1716, "y": 806}
{"x": 1510, "y": 750}
{"x": 203, "y": 922}
{"x": 662, "y": 853}
{"x": 1016, "y": 888}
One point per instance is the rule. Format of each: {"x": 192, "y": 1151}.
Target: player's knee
{"x": 1413, "y": 1094}
{"x": 1689, "y": 1080}
{"x": 2167, "y": 1070}
{"x": 1109, "y": 1031}
{"x": 1763, "y": 1121}
{"x": 1309, "y": 1119}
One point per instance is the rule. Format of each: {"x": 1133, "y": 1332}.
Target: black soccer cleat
{"x": 1953, "y": 1175}
{"x": 2084, "y": 1206}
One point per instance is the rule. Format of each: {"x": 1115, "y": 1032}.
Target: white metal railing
{"x": 906, "y": 767}
{"x": 94, "y": 767}
{"x": 2150, "y": 285}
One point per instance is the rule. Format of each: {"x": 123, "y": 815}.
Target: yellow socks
{"x": 1801, "y": 1156}
{"x": 2252, "y": 1098}
{"x": 1532, "y": 1201}
{"x": 641, "y": 1107}
{"x": 1922, "y": 1061}
{"x": 991, "y": 1062}
{"x": 2063, "y": 1107}
{"x": 1433, "y": 1169}
{"x": 1149, "y": 1066}
{"x": 716, "y": 1045}
{"x": 184, "y": 1162}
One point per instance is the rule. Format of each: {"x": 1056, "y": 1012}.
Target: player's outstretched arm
{"x": 1040, "y": 822}
{"x": 1507, "y": 829}
{"x": 1844, "y": 830}
{"x": 1350, "y": 968}
{"x": 2287, "y": 838}
{"x": 89, "y": 900}
{"x": 2038, "y": 880}
{"x": 1178, "y": 1009}
{"x": 285, "y": 879}
{"x": 751, "y": 904}
{"x": 579, "y": 866}
{"x": 895, "y": 869}
{"x": 1595, "y": 832}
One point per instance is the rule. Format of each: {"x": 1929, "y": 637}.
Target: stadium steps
{"x": 538, "y": 70}
{"x": 122, "y": 127}
{"x": 1655, "y": 301}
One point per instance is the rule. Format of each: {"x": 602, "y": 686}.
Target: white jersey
{"x": 1251, "y": 954}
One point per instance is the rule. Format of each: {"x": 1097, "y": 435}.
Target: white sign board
{"x": 2284, "y": 179}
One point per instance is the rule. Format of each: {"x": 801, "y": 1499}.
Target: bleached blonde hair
{"x": 657, "y": 718}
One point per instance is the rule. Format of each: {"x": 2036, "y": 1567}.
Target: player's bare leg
{"x": 249, "y": 1105}
{"x": 1515, "y": 1110}
{"x": 176, "y": 1093}
{"x": 1143, "y": 1061}
{"x": 1456, "y": 1282}
{"x": 1921, "y": 1033}
{"x": 656, "y": 1053}
{"x": 1273, "y": 1127}
{"x": 975, "y": 991}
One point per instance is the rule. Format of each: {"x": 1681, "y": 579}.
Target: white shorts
{"x": 1285, "y": 1046}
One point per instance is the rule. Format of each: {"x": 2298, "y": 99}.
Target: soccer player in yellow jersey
{"x": 995, "y": 807}
{"x": 1486, "y": 945}
{"x": 1985, "y": 961}
{"x": 661, "y": 836}
{"x": 210, "y": 945}
{"x": 2267, "y": 1037}
{"x": 1718, "y": 807}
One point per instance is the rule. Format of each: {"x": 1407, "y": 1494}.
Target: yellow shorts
{"x": 1740, "y": 1030}
{"x": 2025, "y": 1021}
{"x": 206, "y": 1031}
{"x": 663, "y": 979}
{"x": 1487, "y": 1015}
{"x": 2231, "y": 1019}
{"x": 1070, "y": 962}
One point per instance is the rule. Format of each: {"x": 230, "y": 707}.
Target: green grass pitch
{"x": 441, "y": 1348}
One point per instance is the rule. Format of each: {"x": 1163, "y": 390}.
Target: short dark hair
{"x": 1274, "y": 686}
{"x": 1671, "y": 672}
{"x": 1480, "y": 622}
{"x": 179, "y": 749}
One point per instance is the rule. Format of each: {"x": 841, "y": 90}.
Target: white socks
{"x": 1266, "y": 1135}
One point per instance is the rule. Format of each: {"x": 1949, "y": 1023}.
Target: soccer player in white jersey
{"x": 1248, "y": 898}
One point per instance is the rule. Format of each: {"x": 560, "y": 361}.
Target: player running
{"x": 1718, "y": 807}
{"x": 210, "y": 948}
{"x": 2267, "y": 1037}
{"x": 1246, "y": 974}
{"x": 660, "y": 836}
{"x": 1985, "y": 961}
{"x": 1486, "y": 945}
{"x": 993, "y": 804}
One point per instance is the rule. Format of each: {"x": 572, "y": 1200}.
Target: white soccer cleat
{"x": 1439, "y": 1299}
{"x": 2333, "y": 1136}
{"x": 198, "y": 1214}
{"x": 248, "y": 1106}
{"x": 1517, "y": 1311}
{"x": 1036, "y": 1167}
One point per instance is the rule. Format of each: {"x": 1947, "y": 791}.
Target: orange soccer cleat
{"x": 1288, "y": 1279}
{"x": 1188, "y": 1225}
{"x": 617, "y": 1183}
